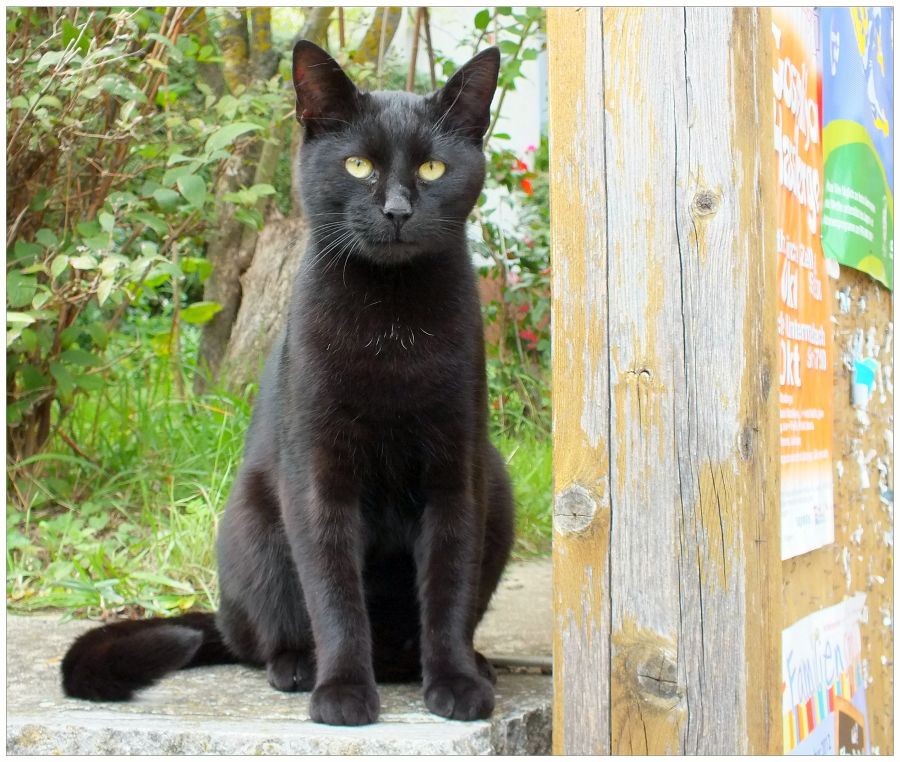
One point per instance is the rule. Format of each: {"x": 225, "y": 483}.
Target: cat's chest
{"x": 395, "y": 337}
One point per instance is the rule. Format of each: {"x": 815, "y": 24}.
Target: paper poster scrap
{"x": 804, "y": 315}
{"x": 858, "y": 140}
{"x": 824, "y": 682}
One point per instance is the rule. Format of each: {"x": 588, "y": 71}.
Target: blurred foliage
{"x": 114, "y": 140}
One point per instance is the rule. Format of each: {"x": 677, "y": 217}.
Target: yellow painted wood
{"x": 580, "y": 415}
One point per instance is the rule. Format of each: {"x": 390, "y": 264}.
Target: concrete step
{"x": 233, "y": 710}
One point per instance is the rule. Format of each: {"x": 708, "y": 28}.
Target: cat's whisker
{"x": 331, "y": 247}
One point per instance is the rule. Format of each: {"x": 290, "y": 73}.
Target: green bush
{"x": 114, "y": 142}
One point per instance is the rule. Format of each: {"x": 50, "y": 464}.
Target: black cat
{"x": 371, "y": 517}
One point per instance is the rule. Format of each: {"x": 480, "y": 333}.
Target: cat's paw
{"x": 460, "y": 697}
{"x": 344, "y": 704}
{"x": 292, "y": 671}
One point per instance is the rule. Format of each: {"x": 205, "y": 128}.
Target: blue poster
{"x": 858, "y": 142}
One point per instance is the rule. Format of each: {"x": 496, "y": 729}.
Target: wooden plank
{"x": 666, "y": 495}
{"x": 581, "y": 391}
{"x": 861, "y": 558}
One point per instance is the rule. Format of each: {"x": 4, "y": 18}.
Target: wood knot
{"x": 705, "y": 202}
{"x": 657, "y": 675}
{"x": 745, "y": 442}
{"x": 574, "y": 510}
{"x": 650, "y": 667}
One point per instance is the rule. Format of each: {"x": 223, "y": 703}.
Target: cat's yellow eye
{"x": 432, "y": 170}
{"x": 359, "y": 167}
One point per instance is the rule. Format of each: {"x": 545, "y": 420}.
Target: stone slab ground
{"x": 232, "y": 710}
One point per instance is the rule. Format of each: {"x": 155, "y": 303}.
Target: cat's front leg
{"x": 448, "y": 561}
{"x": 325, "y": 532}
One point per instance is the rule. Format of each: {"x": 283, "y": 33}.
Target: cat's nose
{"x": 397, "y": 207}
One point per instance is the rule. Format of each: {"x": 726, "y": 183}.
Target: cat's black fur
{"x": 371, "y": 517}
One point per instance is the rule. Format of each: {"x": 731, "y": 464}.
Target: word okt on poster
{"x": 824, "y": 682}
{"x": 804, "y": 315}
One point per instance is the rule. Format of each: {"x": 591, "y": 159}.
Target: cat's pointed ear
{"x": 326, "y": 98}
{"x": 464, "y": 102}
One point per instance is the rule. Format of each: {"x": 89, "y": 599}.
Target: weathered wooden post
{"x": 665, "y": 382}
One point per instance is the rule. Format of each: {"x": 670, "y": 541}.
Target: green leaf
{"x": 89, "y": 382}
{"x": 41, "y": 297}
{"x": 203, "y": 267}
{"x": 173, "y": 51}
{"x": 83, "y": 262}
{"x": 178, "y": 158}
{"x": 69, "y": 336}
{"x": 29, "y": 339}
{"x": 508, "y": 47}
{"x": 99, "y": 334}
{"x": 243, "y": 197}
{"x": 11, "y": 335}
{"x": 32, "y": 378}
{"x": 166, "y": 198}
{"x": 111, "y": 263}
{"x": 174, "y": 174}
{"x": 50, "y": 100}
{"x": 226, "y": 135}
{"x": 482, "y": 19}
{"x": 156, "y": 224}
{"x": 23, "y": 250}
{"x": 115, "y": 84}
{"x": 159, "y": 579}
{"x": 46, "y": 238}
{"x": 19, "y": 289}
{"x": 250, "y": 217}
{"x": 77, "y": 356}
{"x": 40, "y": 200}
{"x": 99, "y": 242}
{"x": 262, "y": 189}
{"x": 88, "y": 228}
{"x": 81, "y": 36}
{"x": 103, "y": 290}
{"x": 193, "y": 188}
{"x": 64, "y": 379}
{"x": 58, "y": 265}
{"x": 106, "y": 221}
{"x": 50, "y": 58}
{"x": 19, "y": 318}
{"x": 200, "y": 312}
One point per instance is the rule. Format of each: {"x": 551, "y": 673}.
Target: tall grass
{"x": 120, "y": 512}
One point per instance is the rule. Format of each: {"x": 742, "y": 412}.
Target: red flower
{"x": 526, "y": 186}
{"x": 530, "y": 337}
{"x": 523, "y": 308}
{"x": 520, "y": 166}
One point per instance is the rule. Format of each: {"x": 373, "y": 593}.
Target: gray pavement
{"x": 233, "y": 710}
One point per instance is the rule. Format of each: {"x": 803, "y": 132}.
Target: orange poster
{"x": 804, "y": 314}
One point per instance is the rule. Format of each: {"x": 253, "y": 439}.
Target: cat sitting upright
{"x": 371, "y": 517}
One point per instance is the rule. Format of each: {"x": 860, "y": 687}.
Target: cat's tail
{"x": 110, "y": 663}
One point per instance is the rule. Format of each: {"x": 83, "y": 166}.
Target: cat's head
{"x": 389, "y": 176}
